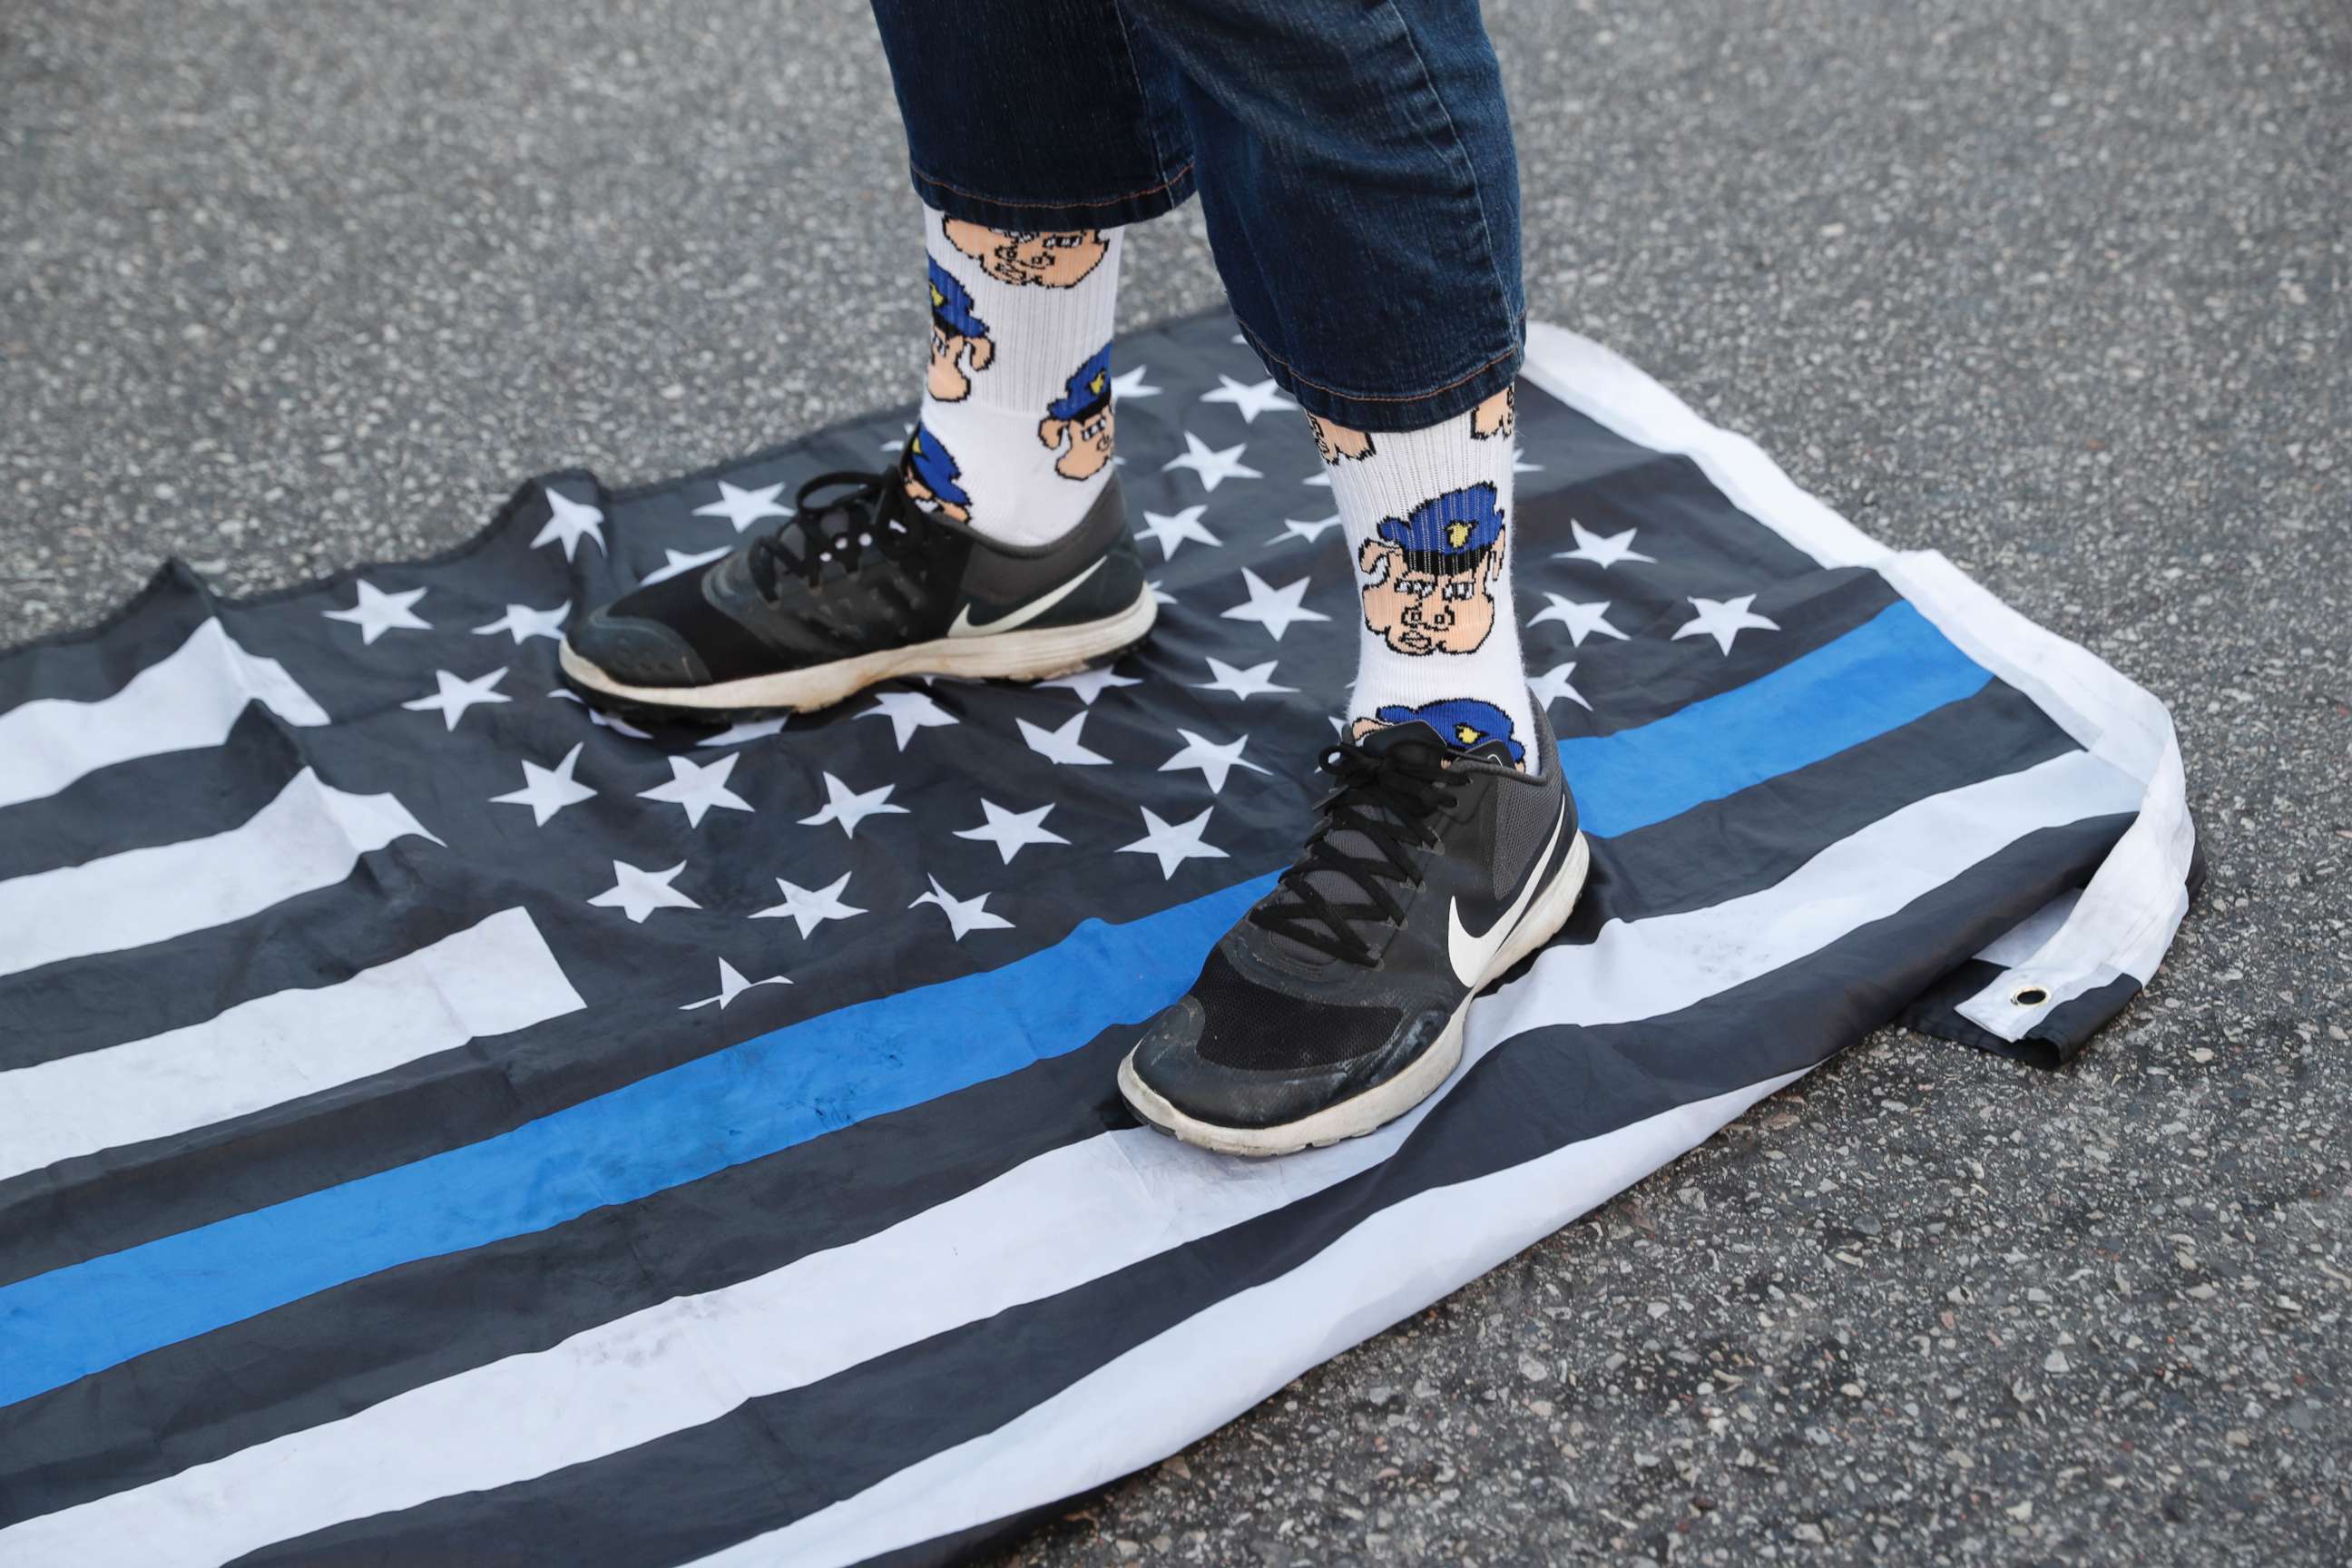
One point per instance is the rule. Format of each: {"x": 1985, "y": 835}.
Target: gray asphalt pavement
{"x": 2059, "y": 287}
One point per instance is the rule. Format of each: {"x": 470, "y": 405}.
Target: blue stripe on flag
{"x": 1880, "y": 676}
{"x": 808, "y": 1078}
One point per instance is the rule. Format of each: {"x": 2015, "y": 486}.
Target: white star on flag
{"x": 1090, "y": 684}
{"x": 1581, "y": 620}
{"x": 568, "y": 521}
{"x": 638, "y": 892}
{"x": 1159, "y": 596}
{"x": 522, "y": 621}
{"x": 1175, "y": 528}
{"x": 1724, "y": 619}
{"x": 897, "y": 442}
{"x": 1011, "y": 831}
{"x": 908, "y": 712}
{"x": 1129, "y": 383}
{"x": 377, "y": 613}
{"x": 744, "y": 729}
{"x": 1213, "y": 760}
{"x": 1254, "y": 681}
{"x": 731, "y": 984}
{"x": 743, "y": 507}
{"x": 1274, "y": 609}
{"x": 809, "y": 908}
{"x": 1552, "y": 685}
{"x": 1174, "y": 843}
{"x": 1310, "y": 532}
{"x": 1519, "y": 464}
{"x": 1061, "y": 746}
{"x": 1213, "y": 468}
{"x": 676, "y": 561}
{"x": 1320, "y": 478}
{"x": 699, "y": 787}
{"x": 964, "y": 914}
{"x": 847, "y": 807}
{"x": 548, "y": 790}
{"x": 598, "y": 717}
{"x": 1249, "y": 400}
{"x": 1601, "y": 551}
{"x": 455, "y": 696}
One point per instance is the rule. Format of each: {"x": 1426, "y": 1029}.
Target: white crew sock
{"x": 1016, "y": 437}
{"x": 1428, "y": 519}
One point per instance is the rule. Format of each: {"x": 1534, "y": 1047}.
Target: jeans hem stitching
{"x": 1258, "y": 344}
{"x": 1169, "y": 183}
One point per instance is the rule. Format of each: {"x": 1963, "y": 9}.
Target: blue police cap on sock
{"x": 1088, "y": 390}
{"x": 935, "y": 466}
{"x": 1458, "y": 524}
{"x": 1465, "y": 723}
{"x": 951, "y": 306}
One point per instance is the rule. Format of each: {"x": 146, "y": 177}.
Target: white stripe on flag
{"x": 191, "y": 698}
{"x": 1643, "y": 968}
{"x": 491, "y": 979}
{"x": 1059, "y": 1221}
{"x": 2024, "y": 939}
{"x": 309, "y": 836}
{"x": 1151, "y": 1402}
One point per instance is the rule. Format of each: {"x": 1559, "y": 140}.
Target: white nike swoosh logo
{"x": 1471, "y": 954}
{"x": 1026, "y": 613}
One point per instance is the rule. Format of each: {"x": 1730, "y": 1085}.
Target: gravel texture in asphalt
{"x": 2058, "y": 287}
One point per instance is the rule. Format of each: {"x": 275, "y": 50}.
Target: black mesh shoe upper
{"x": 1261, "y": 1030}
{"x": 1344, "y": 973}
{"x": 858, "y": 569}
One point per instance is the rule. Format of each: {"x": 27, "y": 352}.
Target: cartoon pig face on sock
{"x": 1464, "y": 723}
{"x": 1082, "y": 417}
{"x": 1334, "y": 442}
{"x": 1430, "y": 576}
{"x": 1090, "y": 444}
{"x": 959, "y": 337}
{"x": 1054, "y": 259}
{"x": 932, "y": 479}
{"x": 1498, "y": 416}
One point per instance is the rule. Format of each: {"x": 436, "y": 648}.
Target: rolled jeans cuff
{"x": 1104, "y": 211}
{"x": 1410, "y": 410}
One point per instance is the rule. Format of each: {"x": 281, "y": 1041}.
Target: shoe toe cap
{"x": 1178, "y": 1060}
{"x": 637, "y": 651}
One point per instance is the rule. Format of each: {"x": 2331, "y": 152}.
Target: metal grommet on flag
{"x": 2030, "y": 995}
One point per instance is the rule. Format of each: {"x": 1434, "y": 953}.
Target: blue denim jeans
{"x": 1353, "y": 159}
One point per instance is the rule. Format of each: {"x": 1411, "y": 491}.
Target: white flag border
{"x": 2126, "y": 919}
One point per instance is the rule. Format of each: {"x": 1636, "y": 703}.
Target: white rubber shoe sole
{"x": 1029, "y": 654}
{"x": 1384, "y": 1102}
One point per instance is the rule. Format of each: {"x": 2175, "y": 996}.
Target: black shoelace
{"x": 865, "y": 522}
{"x": 1385, "y": 799}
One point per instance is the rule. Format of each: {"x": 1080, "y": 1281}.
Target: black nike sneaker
{"x": 1337, "y": 1003}
{"x": 859, "y": 585}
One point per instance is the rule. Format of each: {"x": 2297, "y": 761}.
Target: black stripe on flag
{"x": 92, "y": 663}
{"x": 154, "y": 800}
{"x": 382, "y": 909}
{"x": 2049, "y": 1045}
{"x": 1751, "y": 840}
{"x": 692, "y": 1492}
{"x": 560, "y": 1281}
